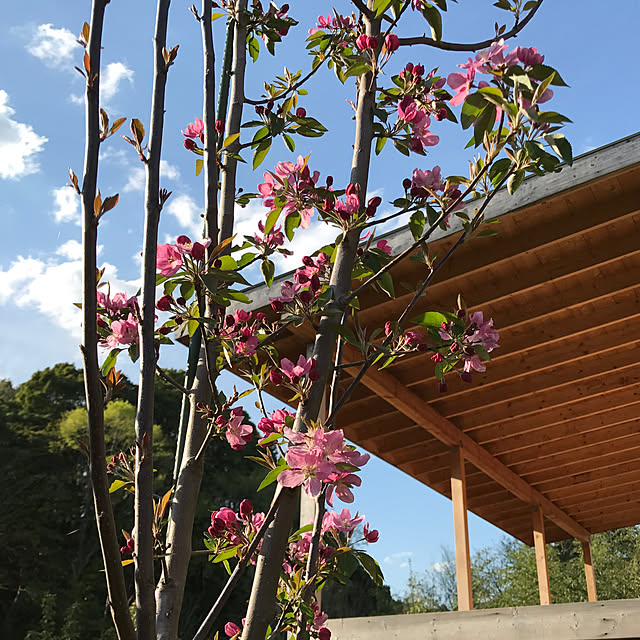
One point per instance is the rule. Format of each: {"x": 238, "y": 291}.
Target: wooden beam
{"x": 461, "y": 530}
{"x": 413, "y": 406}
{"x": 539, "y": 543}
{"x": 588, "y": 571}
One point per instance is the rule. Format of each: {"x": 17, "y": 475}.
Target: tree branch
{"x": 473, "y": 46}
{"x": 143, "y": 500}
{"x": 174, "y": 383}
{"x": 116, "y": 589}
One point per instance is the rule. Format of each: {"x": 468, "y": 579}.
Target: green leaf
{"x": 433, "y": 17}
{"x": 109, "y": 361}
{"x": 380, "y": 142}
{"x": 271, "y": 477}
{"x": 498, "y": 170}
{"x": 226, "y": 554}
{"x": 380, "y": 6}
{"x": 231, "y": 139}
{"x": 541, "y": 88}
{"x": 483, "y": 124}
{"x": 199, "y": 165}
{"x": 272, "y": 437}
{"x": 288, "y": 140}
{"x": 272, "y": 218}
{"x": 541, "y": 71}
{"x": 472, "y": 107}
{"x": 117, "y": 484}
{"x": 358, "y": 68}
{"x": 291, "y": 223}
{"x": 514, "y": 181}
{"x": 416, "y": 224}
{"x": 268, "y": 271}
{"x": 386, "y": 284}
{"x": 371, "y": 566}
{"x": 254, "y": 47}
{"x": 261, "y": 153}
{"x": 430, "y": 319}
{"x": 227, "y": 263}
{"x": 231, "y": 294}
{"x": 561, "y": 146}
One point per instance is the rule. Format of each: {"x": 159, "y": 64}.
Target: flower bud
{"x": 189, "y": 144}
{"x": 436, "y": 357}
{"x": 375, "y": 202}
{"x": 372, "y": 42}
{"x": 301, "y": 112}
{"x": 164, "y": 303}
{"x": 443, "y": 387}
{"x": 246, "y": 509}
{"x": 418, "y": 70}
{"x": 275, "y": 377}
{"x": 307, "y": 261}
{"x": 217, "y": 263}
{"x": 305, "y": 296}
{"x": 181, "y": 301}
{"x": 219, "y": 126}
{"x": 466, "y": 376}
{"x": 392, "y": 42}
{"x": 406, "y": 184}
{"x": 441, "y": 114}
{"x": 197, "y": 251}
{"x": 277, "y": 306}
{"x": 329, "y": 181}
{"x": 362, "y": 41}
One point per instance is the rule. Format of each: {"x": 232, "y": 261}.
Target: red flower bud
{"x": 301, "y": 112}
{"x": 392, "y": 42}
{"x": 181, "y": 301}
{"x": 443, "y": 387}
{"x": 275, "y": 377}
{"x": 466, "y": 376}
{"x": 189, "y": 144}
{"x": 164, "y": 303}
{"x": 277, "y": 306}
{"x": 406, "y": 184}
{"x": 219, "y": 126}
{"x": 305, "y": 296}
{"x": 246, "y": 509}
{"x": 436, "y": 357}
{"x": 197, "y": 251}
{"x": 375, "y": 202}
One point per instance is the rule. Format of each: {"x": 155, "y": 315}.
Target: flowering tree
{"x": 197, "y": 286}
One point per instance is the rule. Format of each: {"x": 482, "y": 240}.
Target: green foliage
{"x": 505, "y": 576}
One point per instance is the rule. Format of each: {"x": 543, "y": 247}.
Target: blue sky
{"x": 41, "y": 135}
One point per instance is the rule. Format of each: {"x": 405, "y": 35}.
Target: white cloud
{"x": 19, "y": 144}
{"x": 67, "y": 205}
{"x": 440, "y": 567}
{"x": 112, "y": 75}
{"x": 55, "y": 47}
{"x": 184, "y": 209}
{"x": 71, "y": 249}
{"x": 51, "y": 287}
{"x": 400, "y": 559}
{"x": 137, "y": 177}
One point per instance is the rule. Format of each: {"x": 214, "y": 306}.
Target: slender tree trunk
{"x": 170, "y": 590}
{"x": 95, "y": 404}
{"x": 262, "y": 603}
{"x": 143, "y": 506}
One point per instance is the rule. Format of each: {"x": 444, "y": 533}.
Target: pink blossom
{"x": 301, "y": 368}
{"x": 306, "y": 467}
{"x": 484, "y": 331}
{"x": 341, "y": 484}
{"x": 341, "y": 521}
{"x": 407, "y": 109}
{"x": 421, "y": 131}
{"x": 238, "y": 434}
{"x": 169, "y": 260}
{"x": 194, "y": 130}
{"x": 232, "y": 629}
{"x": 123, "y": 332}
{"x": 527, "y": 56}
{"x": 429, "y": 180}
{"x": 370, "y": 536}
{"x": 473, "y": 363}
{"x": 461, "y": 83}
{"x": 384, "y": 246}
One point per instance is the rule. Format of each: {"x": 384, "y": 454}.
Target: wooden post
{"x": 539, "y": 542}
{"x": 461, "y": 530}
{"x": 588, "y": 571}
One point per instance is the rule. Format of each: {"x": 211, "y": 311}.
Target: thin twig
{"x": 370, "y": 360}
{"x": 474, "y": 46}
{"x": 425, "y": 236}
{"x": 205, "y": 628}
{"x": 167, "y": 378}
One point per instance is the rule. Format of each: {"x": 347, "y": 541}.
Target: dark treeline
{"x": 51, "y": 583}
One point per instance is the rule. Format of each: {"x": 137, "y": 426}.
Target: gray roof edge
{"x": 589, "y": 166}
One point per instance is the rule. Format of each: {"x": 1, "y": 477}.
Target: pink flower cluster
{"x": 234, "y": 528}
{"x": 117, "y": 324}
{"x": 294, "y": 372}
{"x": 292, "y": 187}
{"x": 322, "y": 457}
{"x": 307, "y": 282}
{"x": 195, "y": 130}
{"x": 237, "y": 433}
{"x": 365, "y": 42}
{"x": 409, "y": 111}
{"x": 276, "y": 422}
{"x": 271, "y": 240}
{"x": 478, "y": 333}
{"x": 332, "y": 23}
{"x": 489, "y": 60}
{"x": 170, "y": 257}
{"x": 429, "y": 184}
{"x": 241, "y": 329}
{"x": 128, "y": 547}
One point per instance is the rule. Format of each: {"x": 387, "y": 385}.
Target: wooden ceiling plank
{"x": 412, "y": 405}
